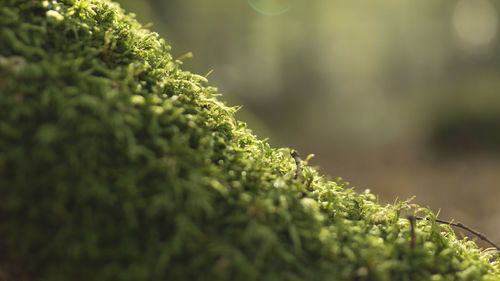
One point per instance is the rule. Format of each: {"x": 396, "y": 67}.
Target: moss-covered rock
{"x": 115, "y": 164}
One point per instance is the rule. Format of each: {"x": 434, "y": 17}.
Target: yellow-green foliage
{"x": 115, "y": 164}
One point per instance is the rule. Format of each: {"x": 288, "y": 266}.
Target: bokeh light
{"x": 475, "y": 22}
{"x": 270, "y": 7}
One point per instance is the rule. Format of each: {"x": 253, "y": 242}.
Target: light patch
{"x": 138, "y": 100}
{"x": 270, "y": 7}
{"x": 475, "y": 22}
{"x": 157, "y": 109}
{"x": 55, "y": 15}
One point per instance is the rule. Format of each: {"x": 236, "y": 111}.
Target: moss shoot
{"x": 116, "y": 164}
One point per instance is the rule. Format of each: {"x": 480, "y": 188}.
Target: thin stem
{"x": 412, "y": 233}
{"x": 296, "y": 157}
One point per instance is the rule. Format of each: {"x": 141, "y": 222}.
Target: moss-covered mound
{"x": 115, "y": 164}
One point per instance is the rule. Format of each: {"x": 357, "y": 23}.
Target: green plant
{"x": 115, "y": 164}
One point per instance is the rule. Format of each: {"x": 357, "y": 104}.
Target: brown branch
{"x": 462, "y": 226}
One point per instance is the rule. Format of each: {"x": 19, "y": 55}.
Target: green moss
{"x": 115, "y": 164}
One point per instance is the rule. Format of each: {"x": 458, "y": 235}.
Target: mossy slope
{"x": 117, "y": 165}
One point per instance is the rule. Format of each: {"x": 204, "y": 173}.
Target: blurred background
{"x": 400, "y": 97}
